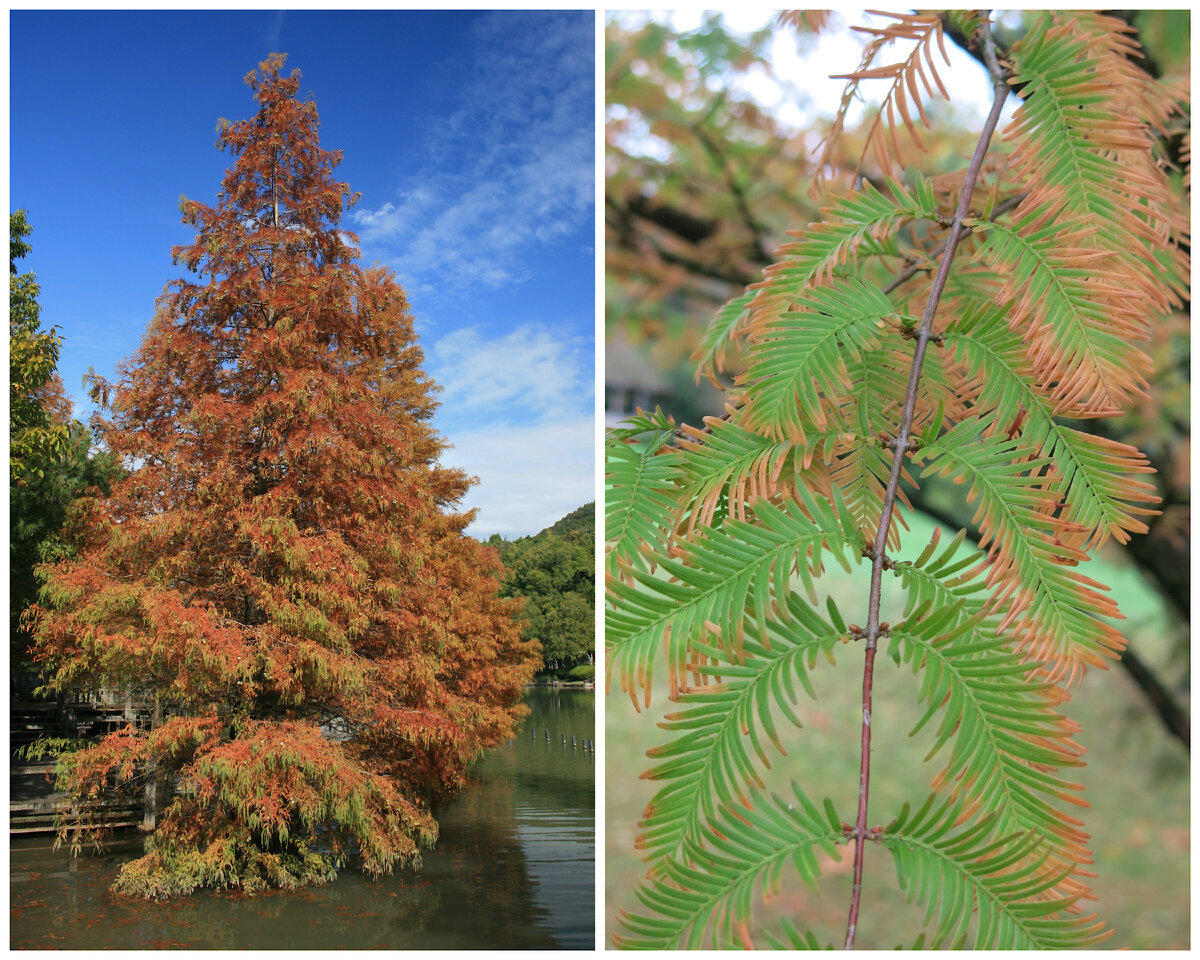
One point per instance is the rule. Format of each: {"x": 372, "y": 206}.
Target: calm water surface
{"x": 514, "y": 869}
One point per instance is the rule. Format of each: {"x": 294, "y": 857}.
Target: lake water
{"x": 514, "y": 868}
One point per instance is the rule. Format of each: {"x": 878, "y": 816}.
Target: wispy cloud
{"x": 274, "y": 28}
{"x": 530, "y": 370}
{"x": 503, "y": 179}
{"x": 519, "y": 411}
{"x": 529, "y": 476}
{"x": 509, "y": 170}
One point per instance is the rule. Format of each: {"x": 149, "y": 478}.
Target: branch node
{"x": 910, "y": 445}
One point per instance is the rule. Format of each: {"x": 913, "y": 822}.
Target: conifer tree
{"x": 283, "y": 572}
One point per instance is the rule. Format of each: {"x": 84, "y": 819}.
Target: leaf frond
{"x": 960, "y": 871}
{"x": 830, "y": 248}
{"x": 639, "y": 502}
{"x": 860, "y": 470}
{"x": 703, "y": 897}
{"x": 801, "y": 357}
{"x": 722, "y": 330}
{"x": 729, "y": 467}
{"x": 1078, "y": 316}
{"x": 924, "y": 29}
{"x": 793, "y": 939}
{"x": 1080, "y": 153}
{"x": 724, "y": 578}
{"x": 1096, "y": 476}
{"x": 1031, "y": 567}
{"x": 721, "y": 732}
{"x": 1005, "y": 733}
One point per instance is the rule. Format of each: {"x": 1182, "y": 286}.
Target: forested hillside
{"x": 554, "y": 571}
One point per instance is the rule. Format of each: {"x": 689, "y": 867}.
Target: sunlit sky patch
{"x": 799, "y": 87}
{"x": 469, "y": 136}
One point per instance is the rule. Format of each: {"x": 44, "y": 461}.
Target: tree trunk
{"x": 151, "y": 801}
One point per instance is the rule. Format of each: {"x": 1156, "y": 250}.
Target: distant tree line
{"x": 554, "y": 571}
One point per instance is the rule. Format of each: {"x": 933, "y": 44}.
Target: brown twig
{"x": 900, "y": 446}
{"x": 908, "y": 273}
{"x": 900, "y": 279}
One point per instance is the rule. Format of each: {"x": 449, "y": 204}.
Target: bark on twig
{"x": 900, "y": 446}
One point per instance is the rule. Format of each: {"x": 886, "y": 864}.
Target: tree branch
{"x": 900, "y": 446}
{"x": 1168, "y": 709}
{"x": 630, "y": 240}
{"x": 1010, "y": 203}
{"x": 1146, "y": 61}
{"x": 756, "y": 229}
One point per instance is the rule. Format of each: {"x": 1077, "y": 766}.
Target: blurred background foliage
{"x": 705, "y": 174}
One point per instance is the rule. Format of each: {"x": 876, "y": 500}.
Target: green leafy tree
{"x": 568, "y": 631}
{"x": 38, "y": 510}
{"x": 52, "y": 461}
{"x": 554, "y": 572}
{"x": 957, "y": 326}
{"x": 35, "y": 440}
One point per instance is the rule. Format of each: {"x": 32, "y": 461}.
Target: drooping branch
{"x": 900, "y": 446}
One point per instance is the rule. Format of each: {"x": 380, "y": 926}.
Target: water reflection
{"x": 514, "y": 869}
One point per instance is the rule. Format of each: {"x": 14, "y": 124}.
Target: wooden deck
{"x": 34, "y": 804}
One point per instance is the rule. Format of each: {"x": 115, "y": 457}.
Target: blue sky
{"x": 470, "y": 137}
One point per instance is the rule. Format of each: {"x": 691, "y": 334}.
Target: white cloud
{"x": 507, "y": 172}
{"x": 274, "y": 28}
{"x": 529, "y": 476}
{"x": 518, "y": 410}
{"x": 502, "y": 180}
{"x": 529, "y": 368}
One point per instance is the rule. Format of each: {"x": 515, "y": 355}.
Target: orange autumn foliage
{"x": 283, "y": 569}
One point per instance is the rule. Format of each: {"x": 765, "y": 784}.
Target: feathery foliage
{"x": 282, "y": 573}
{"x": 951, "y": 327}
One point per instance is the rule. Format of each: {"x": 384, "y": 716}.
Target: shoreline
{"x": 584, "y": 684}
